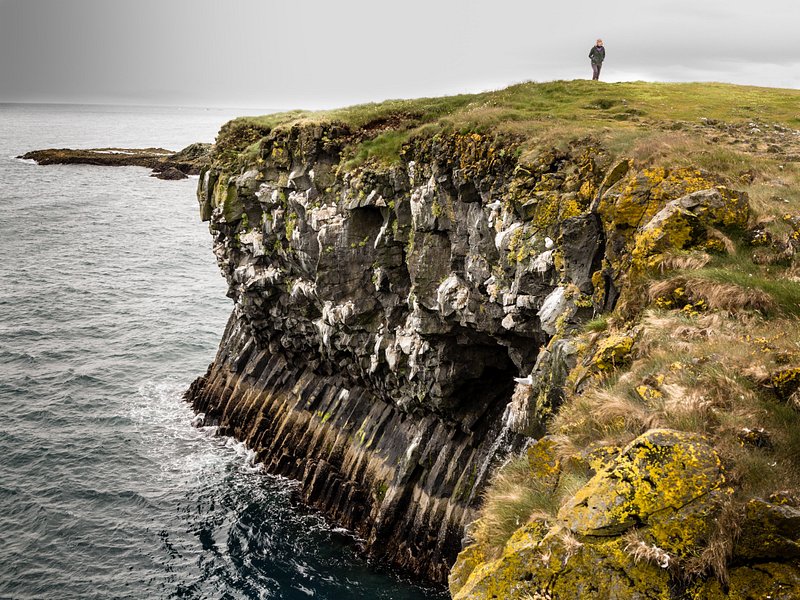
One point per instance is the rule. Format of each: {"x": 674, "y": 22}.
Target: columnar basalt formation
{"x": 382, "y": 313}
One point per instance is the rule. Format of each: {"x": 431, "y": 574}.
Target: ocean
{"x": 111, "y": 303}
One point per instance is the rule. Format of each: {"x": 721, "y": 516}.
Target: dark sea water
{"x": 110, "y": 304}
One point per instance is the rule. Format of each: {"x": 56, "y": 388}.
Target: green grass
{"x": 597, "y": 325}
{"x": 739, "y": 269}
{"x": 529, "y": 111}
{"x": 785, "y": 293}
{"x": 382, "y": 148}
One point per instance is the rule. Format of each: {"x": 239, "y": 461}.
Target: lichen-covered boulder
{"x": 766, "y": 581}
{"x": 558, "y": 566}
{"x": 468, "y": 559}
{"x": 628, "y": 205}
{"x": 785, "y": 382}
{"x": 613, "y": 351}
{"x": 770, "y": 530}
{"x": 501, "y": 578}
{"x": 669, "y": 480}
{"x": 685, "y": 222}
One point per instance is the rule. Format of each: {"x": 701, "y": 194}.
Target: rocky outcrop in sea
{"x": 165, "y": 164}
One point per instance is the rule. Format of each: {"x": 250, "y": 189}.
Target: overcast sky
{"x": 323, "y": 53}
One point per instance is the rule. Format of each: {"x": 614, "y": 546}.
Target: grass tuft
{"x": 511, "y": 499}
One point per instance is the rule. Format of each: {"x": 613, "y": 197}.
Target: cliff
{"x": 423, "y": 288}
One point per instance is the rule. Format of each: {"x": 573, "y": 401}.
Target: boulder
{"x": 169, "y": 173}
{"x": 770, "y": 530}
{"x": 668, "y": 480}
{"x": 554, "y": 564}
{"x": 684, "y": 223}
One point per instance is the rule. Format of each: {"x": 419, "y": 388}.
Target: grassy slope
{"x": 531, "y": 106}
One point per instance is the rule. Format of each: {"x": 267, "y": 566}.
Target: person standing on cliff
{"x": 597, "y": 54}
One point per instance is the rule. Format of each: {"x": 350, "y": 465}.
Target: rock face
{"x": 382, "y": 313}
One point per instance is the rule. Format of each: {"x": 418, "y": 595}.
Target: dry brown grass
{"x": 727, "y": 297}
{"x": 602, "y": 417}
{"x": 642, "y": 551}
{"x": 684, "y": 261}
{"x": 706, "y": 373}
{"x": 571, "y": 543}
{"x": 511, "y": 499}
{"x": 714, "y": 558}
{"x": 666, "y": 147}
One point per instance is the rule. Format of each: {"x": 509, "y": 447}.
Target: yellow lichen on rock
{"x": 765, "y": 581}
{"x": 475, "y": 152}
{"x": 544, "y": 462}
{"x": 686, "y": 222}
{"x": 659, "y": 471}
{"x": 559, "y": 566}
{"x": 468, "y": 559}
{"x": 613, "y": 351}
{"x": 785, "y": 382}
{"x": 635, "y": 199}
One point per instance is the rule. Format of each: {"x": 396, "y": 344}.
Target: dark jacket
{"x": 597, "y": 54}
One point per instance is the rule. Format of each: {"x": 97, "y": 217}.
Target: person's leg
{"x": 600, "y": 66}
{"x": 595, "y": 71}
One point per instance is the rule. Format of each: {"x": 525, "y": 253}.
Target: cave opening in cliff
{"x": 482, "y": 399}
{"x": 365, "y": 223}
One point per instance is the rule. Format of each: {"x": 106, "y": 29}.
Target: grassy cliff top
{"x": 749, "y": 134}
{"x": 620, "y": 113}
{"x": 586, "y": 103}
